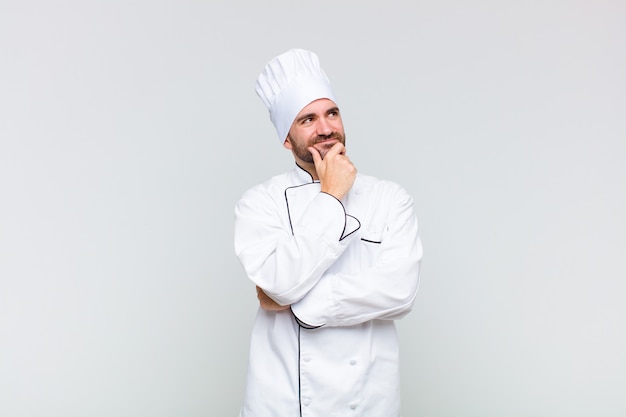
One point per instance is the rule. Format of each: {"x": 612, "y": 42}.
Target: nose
{"x": 324, "y": 128}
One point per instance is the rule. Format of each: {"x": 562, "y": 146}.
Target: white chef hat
{"x": 290, "y": 82}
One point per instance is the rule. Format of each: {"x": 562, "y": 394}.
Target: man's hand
{"x": 336, "y": 172}
{"x": 267, "y": 303}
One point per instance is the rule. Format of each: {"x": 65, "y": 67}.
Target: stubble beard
{"x": 302, "y": 151}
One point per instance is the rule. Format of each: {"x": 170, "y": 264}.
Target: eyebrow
{"x": 305, "y": 116}
{"x": 312, "y": 115}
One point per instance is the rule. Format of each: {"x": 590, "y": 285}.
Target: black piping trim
{"x": 306, "y": 326}
{"x": 312, "y": 180}
{"x": 371, "y": 241}
{"x": 287, "y": 201}
{"x": 344, "y": 228}
{"x": 303, "y": 324}
{"x": 345, "y": 223}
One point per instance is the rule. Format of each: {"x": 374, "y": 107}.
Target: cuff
{"x": 316, "y": 308}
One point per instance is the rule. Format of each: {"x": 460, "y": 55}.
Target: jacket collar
{"x": 303, "y": 175}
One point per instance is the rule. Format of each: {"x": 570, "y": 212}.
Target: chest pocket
{"x": 375, "y": 238}
{"x": 371, "y": 246}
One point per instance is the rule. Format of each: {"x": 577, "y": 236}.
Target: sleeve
{"x": 386, "y": 289}
{"x": 287, "y": 262}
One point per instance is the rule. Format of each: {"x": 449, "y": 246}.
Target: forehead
{"x": 319, "y": 106}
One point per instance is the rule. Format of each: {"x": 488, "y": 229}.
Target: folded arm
{"x": 384, "y": 289}
{"x": 288, "y": 262}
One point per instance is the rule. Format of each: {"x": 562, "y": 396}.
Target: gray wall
{"x": 129, "y": 129}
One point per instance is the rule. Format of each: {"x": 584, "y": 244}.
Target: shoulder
{"x": 272, "y": 189}
{"x": 381, "y": 188}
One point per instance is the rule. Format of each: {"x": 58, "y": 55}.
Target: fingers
{"x": 267, "y": 303}
{"x": 337, "y": 149}
{"x": 317, "y": 158}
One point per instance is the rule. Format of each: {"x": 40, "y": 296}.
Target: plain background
{"x": 129, "y": 129}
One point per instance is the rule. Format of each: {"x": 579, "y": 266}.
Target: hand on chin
{"x": 324, "y": 147}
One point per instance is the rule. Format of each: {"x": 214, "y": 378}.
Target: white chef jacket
{"x": 348, "y": 269}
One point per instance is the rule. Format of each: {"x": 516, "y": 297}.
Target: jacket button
{"x": 353, "y": 362}
{"x": 306, "y": 401}
{"x": 353, "y": 405}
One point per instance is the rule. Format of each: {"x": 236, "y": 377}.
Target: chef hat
{"x": 290, "y": 82}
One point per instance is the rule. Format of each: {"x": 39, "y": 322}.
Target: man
{"x": 335, "y": 257}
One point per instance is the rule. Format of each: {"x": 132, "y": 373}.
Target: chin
{"x": 323, "y": 153}
{"x": 324, "y": 148}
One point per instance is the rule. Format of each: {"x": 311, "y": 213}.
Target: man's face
{"x": 319, "y": 125}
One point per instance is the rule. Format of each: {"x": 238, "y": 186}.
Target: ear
{"x": 287, "y": 143}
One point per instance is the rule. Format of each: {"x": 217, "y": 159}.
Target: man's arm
{"x": 385, "y": 289}
{"x": 287, "y": 263}
{"x": 286, "y": 266}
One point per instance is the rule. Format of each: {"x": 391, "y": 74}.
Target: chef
{"x": 335, "y": 257}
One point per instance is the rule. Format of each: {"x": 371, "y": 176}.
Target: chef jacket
{"x": 348, "y": 269}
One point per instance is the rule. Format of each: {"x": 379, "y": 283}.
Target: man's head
{"x": 318, "y": 125}
{"x": 289, "y": 83}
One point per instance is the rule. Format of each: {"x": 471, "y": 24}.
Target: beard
{"x": 302, "y": 152}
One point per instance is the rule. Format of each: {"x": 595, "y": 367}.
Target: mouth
{"x": 326, "y": 140}
{"x": 331, "y": 138}
{"x": 325, "y": 145}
